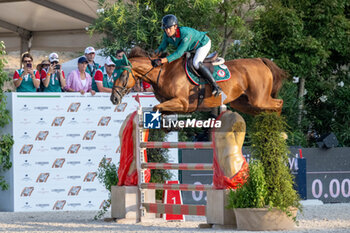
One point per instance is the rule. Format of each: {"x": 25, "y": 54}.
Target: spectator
{"x": 44, "y": 65}
{"x": 92, "y": 65}
{"x": 26, "y": 79}
{"x": 104, "y": 77}
{"x": 119, "y": 54}
{"x": 53, "y": 78}
{"x": 79, "y": 80}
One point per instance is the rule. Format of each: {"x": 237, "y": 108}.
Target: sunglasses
{"x": 27, "y": 61}
{"x": 54, "y": 62}
{"x": 111, "y": 66}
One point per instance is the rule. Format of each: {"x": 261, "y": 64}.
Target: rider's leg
{"x": 198, "y": 59}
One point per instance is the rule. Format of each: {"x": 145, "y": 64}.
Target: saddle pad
{"x": 220, "y": 74}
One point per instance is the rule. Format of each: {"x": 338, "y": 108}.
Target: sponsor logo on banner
{"x": 73, "y": 121}
{"x": 104, "y": 203}
{"x": 73, "y": 177}
{"x": 57, "y": 135}
{"x": 26, "y": 164}
{"x": 90, "y": 190}
{"x": 89, "y": 135}
{"x": 118, "y": 150}
{"x": 42, "y": 149}
{"x": 42, "y": 136}
{"x": 25, "y": 136}
{"x": 43, "y": 163}
{"x": 41, "y": 121}
{"x": 104, "y": 108}
{"x": 43, "y": 191}
{"x": 26, "y": 178}
{"x": 25, "y": 108}
{"x": 89, "y": 163}
{"x": 108, "y": 161}
{"x": 89, "y": 205}
{"x": 58, "y": 121}
{"x": 104, "y": 135}
{"x": 74, "y": 204}
{"x": 73, "y": 135}
{"x": 87, "y": 121}
{"x": 59, "y": 205}
{"x": 151, "y": 120}
{"x": 73, "y": 149}
{"x": 57, "y": 177}
{"x": 26, "y": 149}
{"x": 58, "y": 163}
{"x": 106, "y": 148}
{"x": 25, "y": 122}
{"x": 27, "y": 191}
{"x": 89, "y": 148}
{"x": 42, "y": 178}
{"x": 42, "y": 205}
{"x": 73, "y": 107}
{"x": 41, "y": 108}
{"x": 74, "y": 191}
{"x": 88, "y": 108}
{"x": 57, "y": 108}
{"x": 26, "y": 206}
{"x": 90, "y": 177}
{"x": 57, "y": 148}
{"x": 73, "y": 163}
{"x": 58, "y": 190}
{"x": 104, "y": 121}
{"x": 121, "y": 107}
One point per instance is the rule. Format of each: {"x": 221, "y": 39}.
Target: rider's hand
{"x": 156, "y": 62}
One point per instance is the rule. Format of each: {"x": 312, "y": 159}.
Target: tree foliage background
{"x": 309, "y": 39}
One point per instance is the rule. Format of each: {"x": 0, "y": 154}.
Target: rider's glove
{"x": 156, "y": 62}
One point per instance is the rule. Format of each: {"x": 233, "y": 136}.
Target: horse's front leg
{"x": 173, "y": 105}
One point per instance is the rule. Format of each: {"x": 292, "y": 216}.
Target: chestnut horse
{"x": 252, "y": 88}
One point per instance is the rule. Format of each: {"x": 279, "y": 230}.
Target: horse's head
{"x": 122, "y": 86}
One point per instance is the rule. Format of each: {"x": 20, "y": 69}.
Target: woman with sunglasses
{"x": 26, "y": 79}
{"x": 53, "y": 78}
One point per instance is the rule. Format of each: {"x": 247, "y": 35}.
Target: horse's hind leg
{"x": 242, "y": 104}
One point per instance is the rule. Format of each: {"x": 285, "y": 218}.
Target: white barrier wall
{"x": 60, "y": 139}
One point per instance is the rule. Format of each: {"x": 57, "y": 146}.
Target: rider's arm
{"x": 164, "y": 44}
{"x": 181, "y": 49}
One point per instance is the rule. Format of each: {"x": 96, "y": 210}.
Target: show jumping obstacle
{"x": 199, "y": 210}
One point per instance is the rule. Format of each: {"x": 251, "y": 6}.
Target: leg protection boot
{"x": 204, "y": 71}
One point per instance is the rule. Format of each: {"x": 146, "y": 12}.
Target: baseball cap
{"x": 89, "y": 50}
{"x": 109, "y": 61}
{"x": 82, "y": 59}
{"x": 53, "y": 57}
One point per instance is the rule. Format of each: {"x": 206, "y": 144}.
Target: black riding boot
{"x": 204, "y": 71}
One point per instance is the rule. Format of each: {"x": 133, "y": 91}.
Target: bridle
{"x": 122, "y": 90}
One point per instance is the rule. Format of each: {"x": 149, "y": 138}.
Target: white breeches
{"x": 201, "y": 54}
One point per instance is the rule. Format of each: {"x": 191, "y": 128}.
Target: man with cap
{"x": 92, "y": 65}
{"x": 104, "y": 77}
{"x": 53, "y": 78}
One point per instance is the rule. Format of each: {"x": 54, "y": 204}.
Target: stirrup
{"x": 216, "y": 91}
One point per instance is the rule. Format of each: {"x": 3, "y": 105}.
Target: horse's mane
{"x": 137, "y": 52}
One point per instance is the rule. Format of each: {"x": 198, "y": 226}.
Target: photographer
{"x": 26, "y": 79}
{"x": 53, "y": 78}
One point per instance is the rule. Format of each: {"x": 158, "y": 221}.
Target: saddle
{"x": 210, "y": 61}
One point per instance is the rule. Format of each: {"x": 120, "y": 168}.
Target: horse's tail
{"x": 278, "y": 76}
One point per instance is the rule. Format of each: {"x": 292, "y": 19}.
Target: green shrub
{"x": 253, "y": 193}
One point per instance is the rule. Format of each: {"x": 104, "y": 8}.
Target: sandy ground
{"x": 315, "y": 218}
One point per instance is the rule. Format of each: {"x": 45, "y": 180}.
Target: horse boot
{"x": 204, "y": 71}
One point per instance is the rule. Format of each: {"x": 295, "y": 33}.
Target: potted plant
{"x": 268, "y": 200}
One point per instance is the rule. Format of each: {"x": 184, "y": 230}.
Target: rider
{"x": 186, "y": 39}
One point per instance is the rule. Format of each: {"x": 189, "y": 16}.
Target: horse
{"x": 252, "y": 88}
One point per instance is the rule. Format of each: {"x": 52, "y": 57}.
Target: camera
{"x": 29, "y": 65}
{"x": 57, "y": 67}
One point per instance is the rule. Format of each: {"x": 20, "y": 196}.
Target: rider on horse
{"x": 186, "y": 39}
